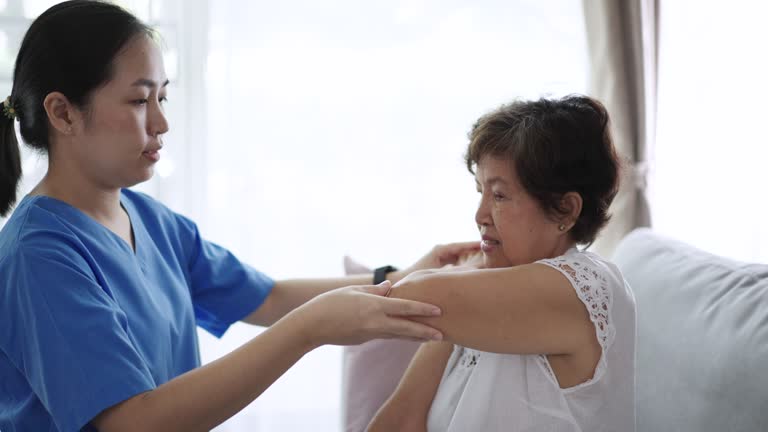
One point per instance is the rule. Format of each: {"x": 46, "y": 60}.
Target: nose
{"x": 158, "y": 123}
{"x": 483, "y": 213}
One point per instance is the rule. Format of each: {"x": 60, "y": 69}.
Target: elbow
{"x": 268, "y": 312}
{"x": 133, "y": 414}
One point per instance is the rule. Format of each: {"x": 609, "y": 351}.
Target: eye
{"x": 498, "y": 197}
{"x": 140, "y": 102}
{"x": 163, "y": 99}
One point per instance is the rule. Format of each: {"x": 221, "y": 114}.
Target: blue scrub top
{"x": 86, "y": 322}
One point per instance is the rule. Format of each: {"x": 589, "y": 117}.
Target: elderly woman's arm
{"x": 528, "y": 309}
{"x": 406, "y": 410}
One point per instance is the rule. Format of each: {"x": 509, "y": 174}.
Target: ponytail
{"x": 70, "y": 48}
{"x": 10, "y": 160}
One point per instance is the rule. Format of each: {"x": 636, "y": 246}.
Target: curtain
{"x": 622, "y": 44}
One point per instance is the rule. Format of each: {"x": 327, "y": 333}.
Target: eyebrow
{"x": 493, "y": 180}
{"x": 145, "y": 82}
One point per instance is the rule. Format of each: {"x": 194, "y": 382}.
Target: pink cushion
{"x": 370, "y": 371}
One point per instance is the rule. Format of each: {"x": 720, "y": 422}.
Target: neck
{"x": 563, "y": 246}
{"x": 66, "y": 182}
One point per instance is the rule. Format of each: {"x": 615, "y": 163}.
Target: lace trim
{"x": 468, "y": 358}
{"x": 542, "y": 358}
{"x": 591, "y": 286}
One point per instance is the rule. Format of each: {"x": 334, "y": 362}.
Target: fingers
{"x": 381, "y": 289}
{"x": 403, "y": 328}
{"x": 406, "y": 308}
{"x": 463, "y": 247}
{"x": 451, "y": 253}
{"x": 471, "y": 257}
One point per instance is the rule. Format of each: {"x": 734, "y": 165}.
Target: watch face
{"x": 380, "y": 274}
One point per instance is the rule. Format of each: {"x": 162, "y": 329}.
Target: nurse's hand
{"x": 440, "y": 256}
{"x": 353, "y": 315}
{"x": 473, "y": 260}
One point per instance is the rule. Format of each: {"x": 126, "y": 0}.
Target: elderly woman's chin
{"x": 495, "y": 259}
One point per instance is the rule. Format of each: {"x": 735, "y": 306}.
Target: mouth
{"x": 153, "y": 155}
{"x": 489, "y": 244}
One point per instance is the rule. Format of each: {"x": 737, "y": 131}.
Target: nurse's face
{"x": 120, "y": 137}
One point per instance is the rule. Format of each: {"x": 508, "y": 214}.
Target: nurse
{"x": 101, "y": 288}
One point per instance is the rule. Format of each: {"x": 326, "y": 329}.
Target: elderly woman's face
{"x": 514, "y": 228}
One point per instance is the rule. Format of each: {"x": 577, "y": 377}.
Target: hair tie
{"x": 9, "y": 110}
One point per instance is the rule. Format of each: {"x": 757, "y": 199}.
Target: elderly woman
{"x": 543, "y": 338}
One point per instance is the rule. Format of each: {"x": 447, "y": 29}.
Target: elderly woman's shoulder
{"x": 590, "y": 273}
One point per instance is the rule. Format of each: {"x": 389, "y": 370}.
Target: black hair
{"x": 556, "y": 146}
{"x": 70, "y": 48}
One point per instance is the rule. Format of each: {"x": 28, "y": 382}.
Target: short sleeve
{"x": 66, "y": 335}
{"x": 224, "y": 290}
{"x": 592, "y": 288}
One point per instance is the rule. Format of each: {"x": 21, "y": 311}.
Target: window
{"x": 339, "y": 128}
{"x": 708, "y": 183}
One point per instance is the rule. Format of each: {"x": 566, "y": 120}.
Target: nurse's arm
{"x": 289, "y": 294}
{"x": 406, "y": 410}
{"x": 205, "y": 397}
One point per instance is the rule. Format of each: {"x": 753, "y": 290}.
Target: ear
{"x": 62, "y": 114}
{"x": 572, "y": 204}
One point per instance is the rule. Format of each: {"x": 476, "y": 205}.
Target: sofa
{"x": 702, "y": 337}
{"x": 702, "y": 343}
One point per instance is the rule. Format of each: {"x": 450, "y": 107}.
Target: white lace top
{"x": 482, "y": 391}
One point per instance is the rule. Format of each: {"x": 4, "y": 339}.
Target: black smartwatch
{"x": 380, "y": 274}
